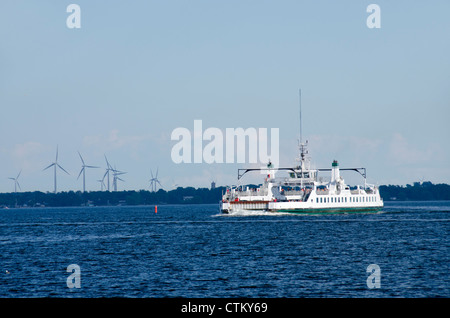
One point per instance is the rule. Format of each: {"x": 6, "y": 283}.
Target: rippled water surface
{"x": 193, "y": 251}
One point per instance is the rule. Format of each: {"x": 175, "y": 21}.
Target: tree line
{"x": 425, "y": 191}
{"x": 180, "y": 195}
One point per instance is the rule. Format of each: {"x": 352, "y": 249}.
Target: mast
{"x": 300, "y": 102}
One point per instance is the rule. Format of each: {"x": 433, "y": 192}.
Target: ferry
{"x": 302, "y": 191}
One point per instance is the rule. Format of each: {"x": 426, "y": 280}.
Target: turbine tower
{"x": 16, "y": 182}
{"x": 83, "y": 170}
{"x": 56, "y": 165}
{"x": 154, "y": 181}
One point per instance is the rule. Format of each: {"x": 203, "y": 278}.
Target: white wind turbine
{"x": 56, "y": 165}
{"x": 83, "y": 170}
{"x": 16, "y": 182}
{"x": 154, "y": 181}
{"x": 108, "y": 169}
{"x": 102, "y": 184}
{"x": 116, "y": 174}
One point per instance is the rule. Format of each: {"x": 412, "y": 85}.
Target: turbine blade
{"x": 49, "y": 166}
{"x": 18, "y": 175}
{"x": 80, "y": 173}
{"x": 91, "y": 167}
{"x": 63, "y": 169}
{"x": 81, "y": 158}
{"x": 107, "y": 163}
{"x": 18, "y": 185}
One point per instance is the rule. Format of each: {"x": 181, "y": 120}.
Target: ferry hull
{"x": 330, "y": 210}
{"x": 230, "y": 207}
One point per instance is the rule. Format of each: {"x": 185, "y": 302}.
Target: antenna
{"x": 301, "y": 145}
{"x": 300, "y": 102}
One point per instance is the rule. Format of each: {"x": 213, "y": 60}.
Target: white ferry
{"x": 302, "y": 192}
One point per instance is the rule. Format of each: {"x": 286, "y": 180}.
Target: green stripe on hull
{"x": 330, "y": 210}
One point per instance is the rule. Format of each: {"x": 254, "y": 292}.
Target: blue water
{"x": 193, "y": 251}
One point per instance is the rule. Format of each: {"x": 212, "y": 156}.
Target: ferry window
{"x": 317, "y": 200}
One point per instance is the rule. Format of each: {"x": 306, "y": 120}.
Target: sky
{"x": 135, "y": 71}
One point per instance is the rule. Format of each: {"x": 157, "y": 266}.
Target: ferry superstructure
{"x": 302, "y": 192}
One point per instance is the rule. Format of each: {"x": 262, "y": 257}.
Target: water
{"x": 193, "y": 251}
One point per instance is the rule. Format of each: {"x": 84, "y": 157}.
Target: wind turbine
{"x": 154, "y": 181}
{"x": 102, "y": 184}
{"x": 108, "y": 169}
{"x": 116, "y": 174}
{"x": 16, "y": 182}
{"x": 55, "y": 165}
{"x": 83, "y": 170}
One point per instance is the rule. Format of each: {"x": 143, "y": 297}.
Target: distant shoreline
{"x": 418, "y": 191}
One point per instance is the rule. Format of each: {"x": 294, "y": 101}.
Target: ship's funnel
{"x": 335, "y": 171}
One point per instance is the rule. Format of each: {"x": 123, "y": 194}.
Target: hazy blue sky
{"x": 136, "y": 70}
